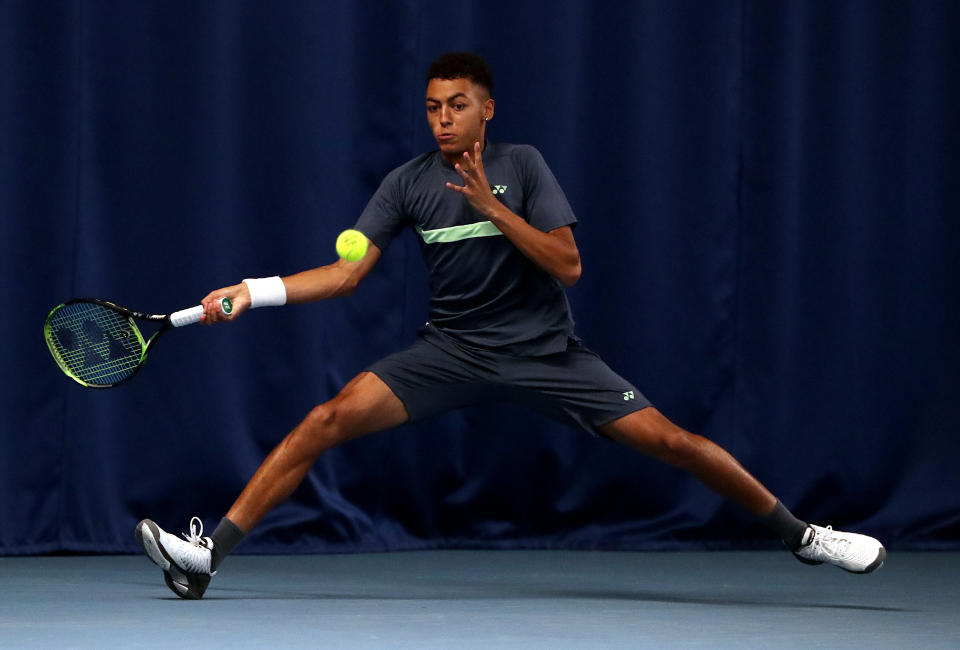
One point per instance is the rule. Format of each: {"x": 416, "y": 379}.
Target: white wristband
{"x": 266, "y": 292}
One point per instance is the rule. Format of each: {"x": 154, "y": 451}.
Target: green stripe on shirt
{"x": 459, "y": 233}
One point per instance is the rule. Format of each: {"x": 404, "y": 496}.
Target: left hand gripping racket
{"x": 97, "y": 343}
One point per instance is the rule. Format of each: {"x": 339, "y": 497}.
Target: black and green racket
{"x": 98, "y": 344}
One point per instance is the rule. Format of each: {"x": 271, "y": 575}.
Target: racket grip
{"x": 192, "y": 315}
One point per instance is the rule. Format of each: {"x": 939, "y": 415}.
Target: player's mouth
{"x": 446, "y": 137}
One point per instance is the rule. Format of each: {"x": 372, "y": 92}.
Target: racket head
{"x": 94, "y": 342}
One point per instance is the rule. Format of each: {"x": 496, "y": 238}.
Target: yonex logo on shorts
{"x": 628, "y": 396}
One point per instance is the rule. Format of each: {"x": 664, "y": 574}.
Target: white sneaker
{"x": 185, "y": 564}
{"x": 849, "y": 551}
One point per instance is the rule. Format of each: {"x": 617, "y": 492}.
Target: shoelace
{"x": 196, "y": 531}
{"x": 826, "y": 543}
{"x": 198, "y": 559}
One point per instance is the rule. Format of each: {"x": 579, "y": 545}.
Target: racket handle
{"x": 193, "y": 314}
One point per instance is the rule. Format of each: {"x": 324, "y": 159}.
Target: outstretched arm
{"x": 555, "y": 252}
{"x": 321, "y": 283}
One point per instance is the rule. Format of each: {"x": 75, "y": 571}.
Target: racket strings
{"x": 94, "y": 343}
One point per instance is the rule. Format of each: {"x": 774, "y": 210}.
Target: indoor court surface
{"x": 483, "y": 599}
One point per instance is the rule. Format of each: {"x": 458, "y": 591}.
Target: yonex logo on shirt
{"x": 628, "y": 396}
{"x": 499, "y": 189}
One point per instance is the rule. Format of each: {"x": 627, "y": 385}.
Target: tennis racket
{"x": 98, "y": 344}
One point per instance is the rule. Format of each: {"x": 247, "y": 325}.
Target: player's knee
{"x": 677, "y": 447}
{"x": 320, "y": 429}
{"x": 323, "y": 416}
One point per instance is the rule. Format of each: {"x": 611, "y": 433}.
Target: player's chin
{"x": 449, "y": 145}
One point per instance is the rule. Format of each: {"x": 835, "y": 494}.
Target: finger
{"x": 477, "y": 165}
{"x": 463, "y": 172}
{"x": 212, "y": 311}
{"x": 457, "y": 188}
{"x": 208, "y": 318}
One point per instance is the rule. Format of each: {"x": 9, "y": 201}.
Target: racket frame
{"x": 130, "y": 315}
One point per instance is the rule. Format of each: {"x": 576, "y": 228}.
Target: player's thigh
{"x": 365, "y": 405}
{"x": 575, "y": 386}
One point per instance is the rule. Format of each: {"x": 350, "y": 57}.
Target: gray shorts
{"x": 437, "y": 374}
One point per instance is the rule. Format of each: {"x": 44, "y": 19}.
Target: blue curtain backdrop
{"x": 768, "y": 203}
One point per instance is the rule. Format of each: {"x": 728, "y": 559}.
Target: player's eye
{"x": 432, "y": 108}
{"x": 459, "y": 107}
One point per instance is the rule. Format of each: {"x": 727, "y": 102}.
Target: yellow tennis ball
{"x": 352, "y": 245}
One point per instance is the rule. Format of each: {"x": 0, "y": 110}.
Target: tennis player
{"x": 496, "y": 232}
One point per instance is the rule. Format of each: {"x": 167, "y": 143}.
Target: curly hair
{"x": 462, "y": 65}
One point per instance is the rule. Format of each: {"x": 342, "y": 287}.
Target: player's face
{"x": 457, "y": 110}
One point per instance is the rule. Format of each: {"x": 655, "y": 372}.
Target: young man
{"x": 496, "y": 233}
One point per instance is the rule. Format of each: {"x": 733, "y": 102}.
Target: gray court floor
{"x": 467, "y": 599}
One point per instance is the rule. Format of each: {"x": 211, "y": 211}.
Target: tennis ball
{"x": 352, "y": 245}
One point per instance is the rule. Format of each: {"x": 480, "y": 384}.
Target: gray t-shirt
{"x": 485, "y": 292}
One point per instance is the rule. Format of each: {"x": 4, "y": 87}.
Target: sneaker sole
{"x": 148, "y": 536}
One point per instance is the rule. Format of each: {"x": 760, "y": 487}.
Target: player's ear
{"x": 488, "y": 105}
